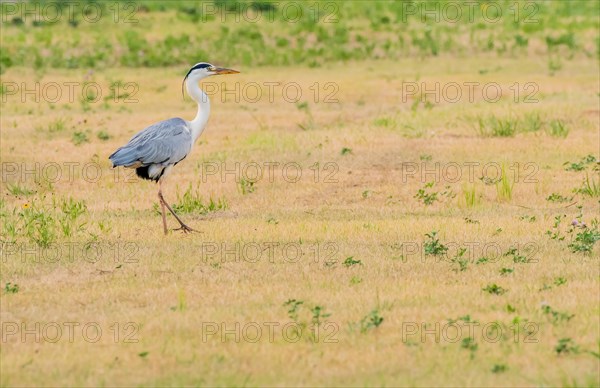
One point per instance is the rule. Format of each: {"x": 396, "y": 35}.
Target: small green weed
{"x": 581, "y": 165}
{"x": 433, "y": 246}
{"x": 246, "y": 186}
{"x": 192, "y": 202}
{"x": 428, "y": 197}
{"x": 103, "y": 135}
{"x": 460, "y": 260}
{"x": 349, "y": 262}
{"x": 556, "y": 316}
{"x": 11, "y": 288}
{"x": 504, "y": 187}
{"x": 554, "y": 197}
{"x": 497, "y": 127}
{"x": 506, "y": 271}
{"x": 589, "y": 187}
{"x": 566, "y": 346}
{"x": 80, "y": 138}
{"x": 470, "y": 345}
{"x": 494, "y": 289}
{"x": 18, "y": 191}
{"x": 371, "y": 321}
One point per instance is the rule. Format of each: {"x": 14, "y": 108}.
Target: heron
{"x": 155, "y": 150}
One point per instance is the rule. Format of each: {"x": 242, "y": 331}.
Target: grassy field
{"x": 401, "y": 233}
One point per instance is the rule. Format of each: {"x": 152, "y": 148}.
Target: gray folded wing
{"x": 167, "y": 142}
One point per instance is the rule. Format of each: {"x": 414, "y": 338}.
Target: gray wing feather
{"x": 166, "y": 142}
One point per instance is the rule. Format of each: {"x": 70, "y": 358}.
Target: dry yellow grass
{"x": 174, "y": 292}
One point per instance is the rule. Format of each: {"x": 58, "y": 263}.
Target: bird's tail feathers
{"x": 124, "y": 156}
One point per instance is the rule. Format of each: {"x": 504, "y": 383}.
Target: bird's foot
{"x": 185, "y": 229}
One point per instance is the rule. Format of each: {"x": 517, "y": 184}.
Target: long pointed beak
{"x": 224, "y": 70}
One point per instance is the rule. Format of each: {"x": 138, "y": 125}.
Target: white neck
{"x": 199, "y": 122}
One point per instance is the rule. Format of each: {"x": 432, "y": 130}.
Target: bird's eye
{"x": 211, "y": 68}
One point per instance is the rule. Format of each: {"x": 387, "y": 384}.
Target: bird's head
{"x": 202, "y": 70}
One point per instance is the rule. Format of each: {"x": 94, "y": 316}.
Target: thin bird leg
{"x": 162, "y": 207}
{"x": 183, "y": 227}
